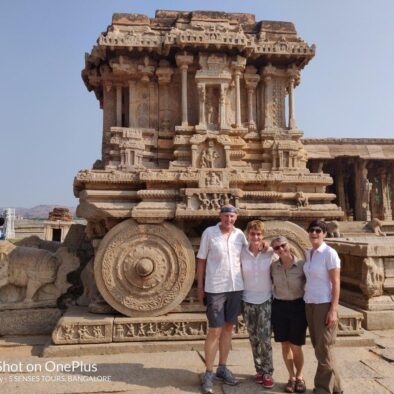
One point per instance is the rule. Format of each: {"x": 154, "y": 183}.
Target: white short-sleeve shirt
{"x": 223, "y": 268}
{"x": 318, "y": 288}
{"x": 257, "y": 275}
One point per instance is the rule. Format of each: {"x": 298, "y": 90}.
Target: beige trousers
{"x": 327, "y": 380}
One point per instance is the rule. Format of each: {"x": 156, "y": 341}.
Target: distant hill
{"x": 37, "y": 212}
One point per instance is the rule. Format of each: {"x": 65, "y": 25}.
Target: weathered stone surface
{"x": 29, "y": 321}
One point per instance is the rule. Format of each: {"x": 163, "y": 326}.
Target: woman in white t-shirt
{"x": 322, "y": 271}
{"x": 257, "y": 294}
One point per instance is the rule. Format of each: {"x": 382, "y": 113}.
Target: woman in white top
{"x": 255, "y": 264}
{"x": 322, "y": 271}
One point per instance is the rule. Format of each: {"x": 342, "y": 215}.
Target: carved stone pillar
{"x": 262, "y": 104}
{"x": 340, "y": 185}
{"x": 227, "y": 155}
{"x": 131, "y": 103}
{"x": 392, "y": 188}
{"x": 251, "y": 81}
{"x": 109, "y": 118}
{"x": 164, "y": 73}
{"x": 119, "y": 105}
{"x": 362, "y": 199}
{"x": 194, "y": 155}
{"x": 292, "y": 121}
{"x": 238, "y": 66}
{"x": 222, "y": 106}
{"x": 201, "y": 97}
{"x": 268, "y": 120}
{"x": 183, "y": 61}
{"x": 386, "y": 203}
{"x": 238, "y": 122}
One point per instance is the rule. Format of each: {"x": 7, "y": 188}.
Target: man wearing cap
{"x": 220, "y": 285}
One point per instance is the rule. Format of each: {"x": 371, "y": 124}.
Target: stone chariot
{"x": 198, "y": 111}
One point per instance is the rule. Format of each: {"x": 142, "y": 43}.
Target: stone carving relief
{"x": 208, "y": 201}
{"x": 213, "y": 179}
{"x": 209, "y": 156}
{"x": 73, "y": 332}
{"x": 31, "y": 277}
{"x": 372, "y": 277}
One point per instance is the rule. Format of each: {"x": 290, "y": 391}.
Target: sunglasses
{"x": 316, "y": 230}
{"x": 279, "y": 246}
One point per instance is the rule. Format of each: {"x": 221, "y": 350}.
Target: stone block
{"x": 378, "y": 320}
{"x": 29, "y": 321}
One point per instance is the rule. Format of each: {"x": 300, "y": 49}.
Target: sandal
{"x": 290, "y": 386}
{"x": 300, "y": 386}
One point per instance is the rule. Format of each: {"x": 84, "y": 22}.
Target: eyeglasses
{"x": 316, "y": 230}
{"x": 279, "y": 246}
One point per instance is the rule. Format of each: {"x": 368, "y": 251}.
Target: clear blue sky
{"x": 50, "y": 125}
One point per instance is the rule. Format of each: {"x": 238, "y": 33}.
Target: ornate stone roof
{"x": 171, "y": 31}
{"x": 365, "y": 148}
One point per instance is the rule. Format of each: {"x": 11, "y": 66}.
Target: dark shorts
{"x": 223, "y": 308}
{"x": 289, "y": 321}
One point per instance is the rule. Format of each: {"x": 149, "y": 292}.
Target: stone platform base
{"x": 377, "y": 320}
{"x": 78, "y": 326}
{"x": 37, "y": 321}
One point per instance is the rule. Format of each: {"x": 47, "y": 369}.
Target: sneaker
{"x": 207, "y": 382}
{"x": 258, "y": 379}
{"x": 226, "y": 375}
{"x": 268, "y": 382}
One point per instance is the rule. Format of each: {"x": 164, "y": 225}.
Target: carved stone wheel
{"x": 297, "y": 236}
{"x": 144, "y": 269}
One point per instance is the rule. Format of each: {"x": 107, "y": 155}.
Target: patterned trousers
{"x": 257, "y": 318}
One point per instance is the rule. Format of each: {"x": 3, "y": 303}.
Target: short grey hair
{"x": 281, "y": 239}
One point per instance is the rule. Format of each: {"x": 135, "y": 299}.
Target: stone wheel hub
{"x": 144, "y": 269}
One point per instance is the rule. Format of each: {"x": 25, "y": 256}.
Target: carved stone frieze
{"x": 78, "y": 326}
{"x": 112, "y": 176}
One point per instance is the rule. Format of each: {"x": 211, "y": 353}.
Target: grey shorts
{"x": 223, "y": 308}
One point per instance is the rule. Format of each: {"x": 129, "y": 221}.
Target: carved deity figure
{"x": 208, "y": 156}
{"x": 130, "y": 330}
{"x": 213, "y": 179}
{"x": 68, "y": 332}
{"x": 97, "y": 332}
{"x": 83, "y": 332}
{"x": 216, "y": 201}
{"x": 204, "y": 201}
